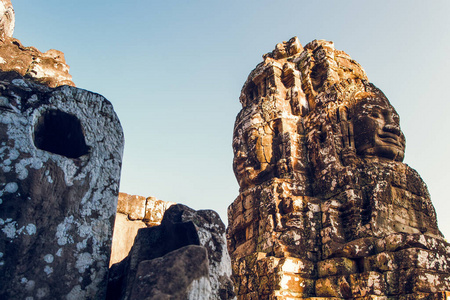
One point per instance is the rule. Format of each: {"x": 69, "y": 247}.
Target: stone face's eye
{"x": 60, "y": 133}
{"x": 396, "y": 118}
{"x": 375, "y": 115}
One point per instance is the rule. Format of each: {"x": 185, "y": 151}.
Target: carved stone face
{"x": 244, "y": 161}
{"x": 252, "y": 146}
{"x": 376, "y": 127}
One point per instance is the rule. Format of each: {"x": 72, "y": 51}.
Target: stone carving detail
{"x": 326, "y": 207}
{"x": 61, "y": 152}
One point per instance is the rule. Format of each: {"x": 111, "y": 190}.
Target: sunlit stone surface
{"x": 326, "y": 207}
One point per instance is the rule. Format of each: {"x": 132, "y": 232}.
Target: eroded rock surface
{"x": 181, "y": 227}
{"x": 7, "y": 19}
{"x": 180, "y": 274}
{"x": 61, "y": 153}
{"x": 49, "y": 68}
{"x": 326, "y": 206}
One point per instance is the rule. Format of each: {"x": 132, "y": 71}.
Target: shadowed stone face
{"x": 253, "y": 151}
{"x": 245, "y": 161}
{"x": 377, "y": 128}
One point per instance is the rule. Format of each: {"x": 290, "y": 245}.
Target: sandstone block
{"x": 302, "y": 267}
{"x": 367, "y": 284}
{"x": 332, "y": 234}
{"x": 154, "y": 210}
{"x": 422, "y": 259}
{"x": 267, "y": 265}
{"x": 336, "y": 266}
{"x": 423, "y": 281}
{"x": 123, "y": 237}
{"x": 131, "y": 205}
{"x": 381, "y": 262}
{"x": 333, "y": 286}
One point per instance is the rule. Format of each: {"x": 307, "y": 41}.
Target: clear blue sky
{"x": 174, "y": 70}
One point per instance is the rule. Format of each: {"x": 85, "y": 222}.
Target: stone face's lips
{"x": 390, "y": 138}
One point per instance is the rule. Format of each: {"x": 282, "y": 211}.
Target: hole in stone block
{"x": 60, "y": 133}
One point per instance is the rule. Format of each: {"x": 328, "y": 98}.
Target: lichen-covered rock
{"x": 318, "y": 155}
{"x": 61, "y": 152}
{"x": 181, "y": 226}
{"x": 49, "y": 68}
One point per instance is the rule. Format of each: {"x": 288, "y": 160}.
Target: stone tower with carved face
{"x": 326, "y": 207}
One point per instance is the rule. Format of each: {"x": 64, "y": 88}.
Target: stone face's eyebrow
{"x": 375, "y": 104}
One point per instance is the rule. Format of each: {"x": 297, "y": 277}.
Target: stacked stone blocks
{"x": 327, "y": 209}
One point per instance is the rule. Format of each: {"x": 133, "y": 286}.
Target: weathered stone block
{"x": 337, "y": 266}
{"x": 359, "y": 248}
{"x": 132, "y": 205}
{"x": 423, "y": 259}
{"x": 302, "y": 267}
{"x": 333, "y": 286}
{"x": 425, "y": 296}
{"x": 180, "y": 227}
{"x": 332, "y": 234}
{"x": 381, "y": 262}
{"x": 123, "y": 237}
{"x": 292, "y": 283}
{"x": 48, "y": 68}
{"x": 267, "y": 265}
{"x": 61, "y": 153}
{"x": 423, "y": 281}
{"x": 154, "y": 210}
{"x": 367, "y": 284}
{"x": 392, "y": 282}
{"x": 7, "y": 19}
{"x": 180, "y": 274}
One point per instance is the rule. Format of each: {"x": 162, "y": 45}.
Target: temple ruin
{"x": 326, "y": 207}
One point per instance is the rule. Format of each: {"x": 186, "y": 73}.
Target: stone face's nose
{"x": 391, "y": 124}
{"x": 392, "y": 128}
{"x": 60, "y": 133}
